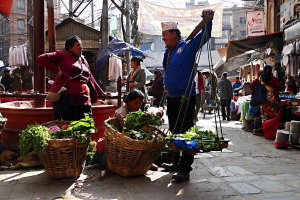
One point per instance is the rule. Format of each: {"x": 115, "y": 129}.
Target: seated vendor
{"x": 133, "y": 102}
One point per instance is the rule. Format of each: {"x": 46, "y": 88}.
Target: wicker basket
{"x": 127, "y": 157}
{"x": 64, "y": 158}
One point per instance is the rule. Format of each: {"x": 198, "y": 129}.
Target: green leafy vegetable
{"x": 34, "y": 137}
{"x": 137, "y": 120}
{"x": 206, "y": 140}
{"x": 135, "y": 123}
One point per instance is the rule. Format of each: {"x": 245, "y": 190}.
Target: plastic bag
{"x": 271, "y": 126}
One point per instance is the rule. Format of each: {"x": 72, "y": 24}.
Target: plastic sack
{"x": 271, "y": 126}
{"x": 181, "y": 144}
{"x": 245, "y": 112}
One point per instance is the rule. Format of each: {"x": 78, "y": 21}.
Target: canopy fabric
{"x": 209, "y": 71}
{"x": 237, "y": 47}
{"x": 5, "y": 7}
{"x": 219, "y": 63}
{"x": 115, "y": 46}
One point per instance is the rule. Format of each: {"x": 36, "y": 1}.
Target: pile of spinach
{"x": 81, "y": 130}
{"x": 136, "y": 121}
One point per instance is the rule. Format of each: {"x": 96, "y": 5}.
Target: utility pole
{"x": 128, "y": 33}
{"x": 39, "y": 48}
{"x": 104, "y": 41}
{"x": 92, "y": 9}
{"x": 30, "y": 42}
{"x": 51, "y": 30}
{"x": 71, "y": 8}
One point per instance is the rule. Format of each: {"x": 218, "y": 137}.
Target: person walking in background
{"x": 72, "y": 72}
{"x": 199, "y": 91}
{"x": 225, "y": 96}
{"x": 236, "y": 85}
{"x": 157, "y": 88}
{"x": 137, "y": 76}
{"x": 7, "y": 79}
{"x": 178, "y": 64}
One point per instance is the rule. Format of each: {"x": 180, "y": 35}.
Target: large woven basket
{"x": 64, "y": 158}
{"x": 127, "y": 157}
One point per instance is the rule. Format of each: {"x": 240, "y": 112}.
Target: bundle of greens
{"x": 81, "y": 129}
{"x": 35, "y": 137}
{"x": 135, "y": 123}
{"x": 206, "y": 140}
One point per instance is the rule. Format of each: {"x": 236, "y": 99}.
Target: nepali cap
{"x": 165, "y": 26}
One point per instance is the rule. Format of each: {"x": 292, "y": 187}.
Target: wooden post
{"x": 119, "y": 86}
{"x": 51, "y": 30}
{"x": 127, "y": 85}
{"x": 39, "y": 48}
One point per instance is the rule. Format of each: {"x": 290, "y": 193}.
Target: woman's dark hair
{"x": 266, "y": 75}
{"x": 177, "y": 31}
{"x": 137, "y": 59}
{"x": 70, "y": 42}
{"x": 133, "y": 95}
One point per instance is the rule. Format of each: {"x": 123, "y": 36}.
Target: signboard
{"x": 151, "y": 15}
{"x": 255, "y": 23}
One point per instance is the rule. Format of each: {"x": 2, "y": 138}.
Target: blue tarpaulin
{"x": 115, "y": 46}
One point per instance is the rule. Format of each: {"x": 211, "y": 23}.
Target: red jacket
{"x": 69, "y": 66}
{"x": 200, "y": 82}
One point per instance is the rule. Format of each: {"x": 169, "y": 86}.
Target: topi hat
{"x": 165, "y": 26}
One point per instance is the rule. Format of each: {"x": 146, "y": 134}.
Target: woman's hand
{"x": 103, "y": 96}
{"x": 132, "y": 85}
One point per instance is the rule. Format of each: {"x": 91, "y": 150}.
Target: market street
{"x": 250, "y": 168}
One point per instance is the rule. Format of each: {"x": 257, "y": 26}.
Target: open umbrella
{"x": 115, "y": 46}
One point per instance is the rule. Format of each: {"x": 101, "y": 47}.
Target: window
{"x": 220, "y": 46}
{"x": 4, "y": 28}
{"x": 243, "y": 33}
{"x": 21, "y": 41}
{"x": 242, "y": 20}
{"x": 20, "y": 6}
{"x": 225, "y": 34}
{"x": 226, "y": 21}
{"x": 21, "y": 25}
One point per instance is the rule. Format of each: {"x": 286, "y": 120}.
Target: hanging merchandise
{"x": 114, "y": 68}
{"x": 285, "y": 60}
{"x": 298, "y": 47}
{"x": 18, "y": 56}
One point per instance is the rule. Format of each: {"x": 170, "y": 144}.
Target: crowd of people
{"x": 184, "y": 97}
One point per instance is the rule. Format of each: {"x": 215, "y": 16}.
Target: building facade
{"x": 14, "y": 30}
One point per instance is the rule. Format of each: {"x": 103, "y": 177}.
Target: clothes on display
{"x": 291, "y": 58}
{"x": 18, "y": 56}
{"x": 114, "y": 68}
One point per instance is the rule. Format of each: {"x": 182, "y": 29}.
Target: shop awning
{"x": 5, "y": 6}
{"x": 237, "y": 47}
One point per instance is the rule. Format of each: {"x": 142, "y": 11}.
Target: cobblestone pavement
{"x": 250, "y": 168}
